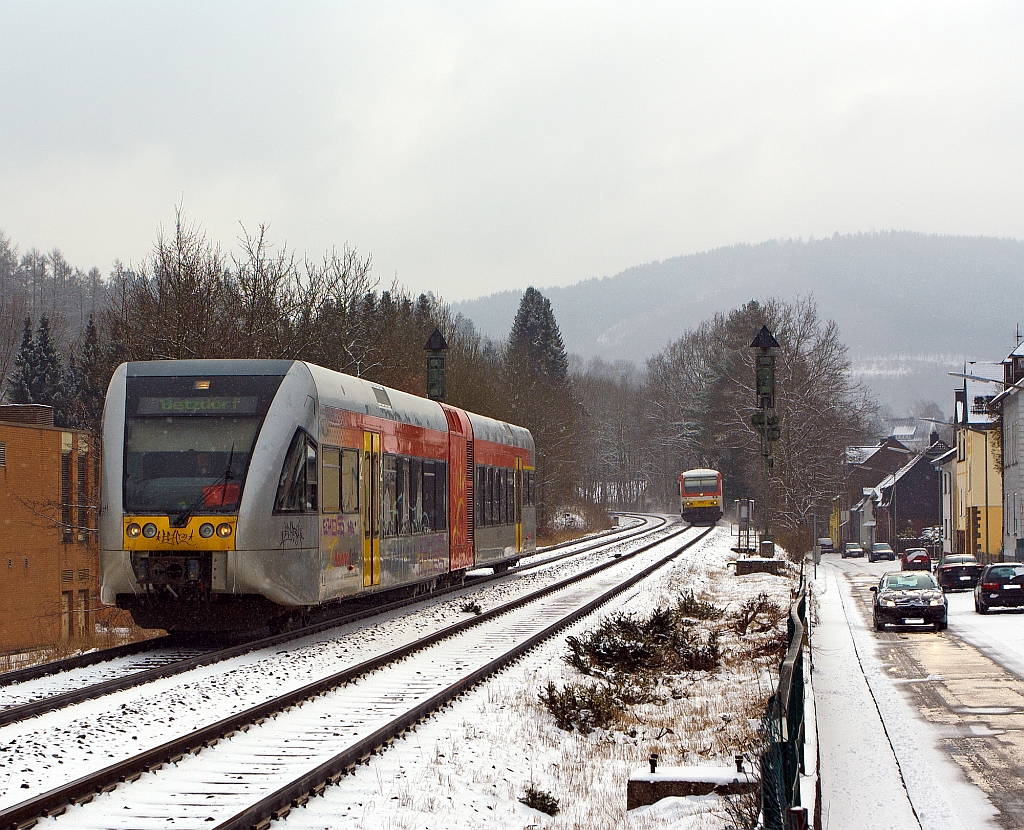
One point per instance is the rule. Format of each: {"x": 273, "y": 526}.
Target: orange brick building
{"x": 49, "y": 557}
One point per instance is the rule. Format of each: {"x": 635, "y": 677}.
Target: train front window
{"x": 188, "y": 441}
{"x": 701, "y": 484}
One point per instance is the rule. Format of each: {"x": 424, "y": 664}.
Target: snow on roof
{"x": 887, "y": 482}
{"x": 858, "y": 455}
{"x": 903, "y": 428}
{"x": 980, "y": 393}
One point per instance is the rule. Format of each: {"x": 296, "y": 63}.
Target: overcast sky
{"x": 472, "y": 147}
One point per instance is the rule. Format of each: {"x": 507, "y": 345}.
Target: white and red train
{"x": 244, "y": 493}
{"x": 700, "y": 496}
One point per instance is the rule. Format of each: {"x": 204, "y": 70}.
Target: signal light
{"x": 224, "y": 530}
{"x": 133, "y": 531}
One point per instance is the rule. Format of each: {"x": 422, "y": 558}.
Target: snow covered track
{"x": 76, "y": 680}
{"x": 373, "y": 710}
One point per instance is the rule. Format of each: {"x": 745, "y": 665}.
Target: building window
{"x": 3, "y": 454}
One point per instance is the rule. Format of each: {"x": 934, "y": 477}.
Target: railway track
{"x": 287, "y": 748}
{"x": 26, "y": 699}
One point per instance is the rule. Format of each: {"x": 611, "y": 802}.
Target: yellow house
{"x": 979, "y": 480}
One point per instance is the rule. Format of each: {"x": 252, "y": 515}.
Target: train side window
{"x": 488, "y": 491}
{"x": 415, "y": 495}
{"x": 499, "y": 496}
{"x": 330, "y": 493}
{"x": 429, "y": 520}
{"x": 297, "y": 487}
{"x": 388, "y": 495}
{"x": 478, "y": 497}
{"x": 402, "y": 495}
{"x": 510, "y": 496}
{"x": 440, "y": 495}
{"x": 350, "y": 481}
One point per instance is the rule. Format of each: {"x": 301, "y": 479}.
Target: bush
{"x": 757, "y": 614}
{"x": 689, "y": 606}
{"x": 471, "y": 608}
{"x": 627, "y": 645}
{"x": 540, "y": 800}
{"x": 583, "y": 707}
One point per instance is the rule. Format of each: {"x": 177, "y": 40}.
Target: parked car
{"x": 1000, "y": 586}
{"x": 909, "y": 599}
{"x": 916, "y": 559}
{"x": 958, "y": 571}
{"x": 852, "y": 549}
{"x": 825, "y": 543}
{"x": 881, "y": 550}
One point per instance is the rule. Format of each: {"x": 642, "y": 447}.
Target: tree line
{"x": 609, "y": 436}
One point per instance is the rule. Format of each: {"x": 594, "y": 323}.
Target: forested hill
{"x": 906, "y": 303}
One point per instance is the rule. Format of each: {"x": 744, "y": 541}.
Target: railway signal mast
{"x": 765, "y": 420}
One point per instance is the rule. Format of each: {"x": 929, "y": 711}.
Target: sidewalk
{"x": 882, "y": 765}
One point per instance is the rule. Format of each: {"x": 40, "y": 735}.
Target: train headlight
{"x": 224, "y": 530}
{"x": 206, "y": 530}
{"x": 133, "y": 531}
{"x": 149, "y": 530}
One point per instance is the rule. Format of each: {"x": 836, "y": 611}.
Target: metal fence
{"x": 783, "y": 725}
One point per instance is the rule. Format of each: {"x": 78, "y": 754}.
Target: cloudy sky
{"x": 471, "y": 147}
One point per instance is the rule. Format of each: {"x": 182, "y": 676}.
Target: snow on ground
{"x": 879, "y": 757}
{"x": 468, "y": 766}
{"x": 998, "y": 634}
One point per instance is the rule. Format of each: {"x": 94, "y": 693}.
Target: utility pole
{"x": 765, "y": 421}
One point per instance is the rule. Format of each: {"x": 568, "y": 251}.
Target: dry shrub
{"x": 625, "y": 644}
{"x": 688, "y": 605}
{"x": 581, "y": 706}
{"x": 759, "y": 613}
{"x": 540, "y": 800}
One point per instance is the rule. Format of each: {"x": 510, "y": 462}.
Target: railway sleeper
{"x": 281, "y": 813}
{"x": 300, "y": 801}
{"x": 127, "y": 779}
{"x": 320, "y": 788}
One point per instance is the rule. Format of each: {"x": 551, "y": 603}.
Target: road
{"x": 965, "y": 690}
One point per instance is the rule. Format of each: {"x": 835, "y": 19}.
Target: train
{"x": 700, "y": 496}
{"x": 240, "y": 495}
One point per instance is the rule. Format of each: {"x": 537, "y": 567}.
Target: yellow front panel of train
{"x": 700, "y": 502}
{"x": 200, "y": 533}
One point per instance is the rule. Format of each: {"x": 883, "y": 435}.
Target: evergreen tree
{"x": 44, "y": 376}
{"x": 95, "y": 375}
{"x": 541, "y": 399}
{"x": 67, "y": 400}
{"x": 536, "y": 343}
{"x": 20, "y": 379}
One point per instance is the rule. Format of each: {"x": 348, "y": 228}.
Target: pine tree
{"x": 536, "y": 343}
{"x": 67, "y": 397}
{"x": 20, "y": 379}
{"x": 95, "y": 375}
{"x": 44, "y": 377}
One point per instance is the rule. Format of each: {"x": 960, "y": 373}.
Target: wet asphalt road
{"x": 968, "y": 681}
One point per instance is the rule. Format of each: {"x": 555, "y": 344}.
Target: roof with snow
{"x": 980, "y": 392}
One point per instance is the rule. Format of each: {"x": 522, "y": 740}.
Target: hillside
{"x": 910, "y": 306}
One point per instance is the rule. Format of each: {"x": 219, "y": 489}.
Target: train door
{"x": 518, "y": 499}
{"x": 370, "y": 474}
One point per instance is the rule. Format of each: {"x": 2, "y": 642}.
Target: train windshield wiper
{"x": 182, "y": 520}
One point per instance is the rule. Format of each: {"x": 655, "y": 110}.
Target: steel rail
{"x": 91, "y": 658}
{"x": 81, "y": 790}
{"x": 280, "y": 803}
{"x": 13, "y": 714}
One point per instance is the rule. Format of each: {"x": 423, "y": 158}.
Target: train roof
{"x": 187, "y": 368}
{"x": 358, "y": 395}
{"x": 499, "y": 432}
{"x": 344, "y": 392}
{"x": 700, "y": 471}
